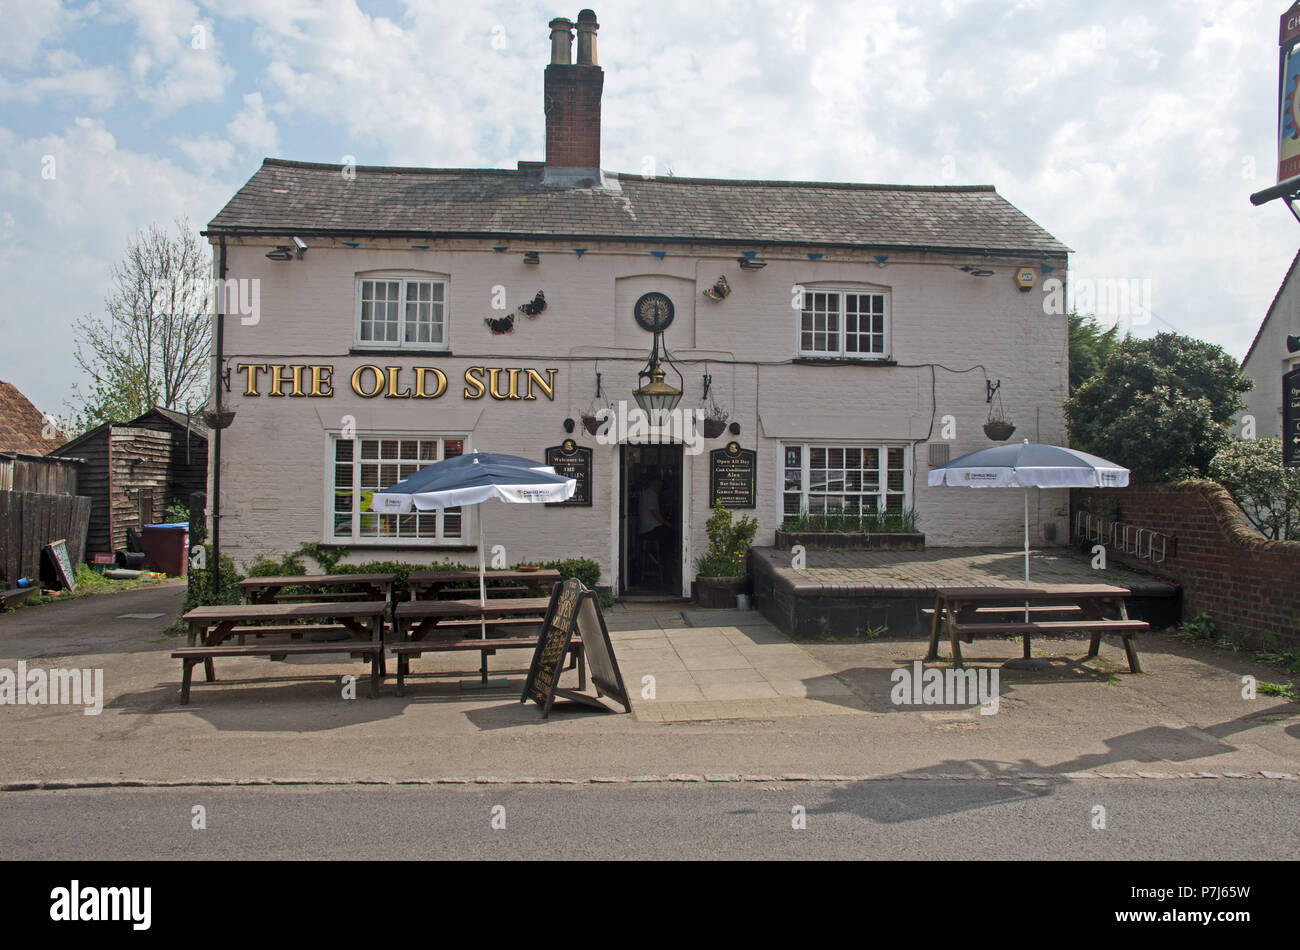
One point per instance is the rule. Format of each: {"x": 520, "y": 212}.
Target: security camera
{"x": 301, "y": 245}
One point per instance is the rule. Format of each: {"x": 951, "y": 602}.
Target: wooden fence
{"x": 29, "y": 521}
{"x": 44, "y": 474}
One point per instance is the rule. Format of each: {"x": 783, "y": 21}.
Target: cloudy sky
{"x": 1134, "y": 132}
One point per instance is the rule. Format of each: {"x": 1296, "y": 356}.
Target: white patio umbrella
{"x": 471, "y": 480}
{"x": 1030, "y": 465}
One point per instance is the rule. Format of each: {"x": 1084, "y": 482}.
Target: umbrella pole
{"x": 1026, "y": 565}
{"x": 482, "y": 595}
{"x": 482, "y": 681}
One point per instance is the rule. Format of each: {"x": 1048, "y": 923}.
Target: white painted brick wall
{"x": 274, "y": 456}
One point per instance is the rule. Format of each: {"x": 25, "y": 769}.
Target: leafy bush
{"x": 584, "y": 569}
{"x": 198, "y": 592}
{"x": 1267, "y": 493}
{"x": 1200, "y": 627}
{"x": 729, "y": 543}
{"x": 1161, "y": 407}
{"x": 177, "y": 513}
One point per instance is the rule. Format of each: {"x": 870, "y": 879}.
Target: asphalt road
{"x": 892, "y": 819}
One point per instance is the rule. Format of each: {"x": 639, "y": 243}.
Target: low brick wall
{"x": 1224, "y": 567}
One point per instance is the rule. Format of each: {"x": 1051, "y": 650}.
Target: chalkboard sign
{"x": 573, "y": 608}
{"x": 733, "y": 474}
{"x": 57, "y": 553}
{"x": 572, "y": 461}
{"x": 1291, "y": 419}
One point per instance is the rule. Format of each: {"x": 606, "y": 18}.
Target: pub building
{"x": 839, "y": 339}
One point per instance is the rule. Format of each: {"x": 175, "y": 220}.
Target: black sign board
{"x": 733, "y": 473}
{"x": 1291, "y": 419}
{"x": 572, "y": 461}
{"x": 572, "y": 609}
{"x": 57, "y": 553}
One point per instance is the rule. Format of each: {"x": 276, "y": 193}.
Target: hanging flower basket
{"x": 714, "y": 427}
{"x": 999, "y": 430}
{"x": 218, "y": 419}
{"x": 590, "y": 423}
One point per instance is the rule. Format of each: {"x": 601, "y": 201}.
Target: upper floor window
{"x": 835, "y": 323}
{"x": 402, "y": 312}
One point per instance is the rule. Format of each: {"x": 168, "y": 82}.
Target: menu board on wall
{"x": 572, "y": 461}
{"x": 1291, "y": 419}
{"x": 733, "y": 474}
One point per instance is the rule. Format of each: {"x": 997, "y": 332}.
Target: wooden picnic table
{"x": 268, "y": 590}
{"x": 432, "y": 584}
{"x": 210, "y": 627}
{"x": 973, "y": 611}
{"x": 434, "y": 626}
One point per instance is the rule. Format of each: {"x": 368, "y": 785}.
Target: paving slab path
{"x": 734, "y": 701}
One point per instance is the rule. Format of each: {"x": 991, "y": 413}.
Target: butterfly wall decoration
{"x": 500, "y": 325}
{"x": 720, "y": 290}
{"x": 534, "y": 306}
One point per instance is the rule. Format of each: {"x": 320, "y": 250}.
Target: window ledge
{"x": 397, "y": 351}
{"x": 841, "y": 361}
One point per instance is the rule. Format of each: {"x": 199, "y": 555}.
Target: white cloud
{"x": 68, "y": 231}
{"x": 176, "y": 60}
{"x": 252, "y": 128}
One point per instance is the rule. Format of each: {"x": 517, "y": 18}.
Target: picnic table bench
{"x": 968, "y": 613}
{"x": 210, "y": 627}
{"x": 434, "y": 626}
{"x": 269, "y": 590}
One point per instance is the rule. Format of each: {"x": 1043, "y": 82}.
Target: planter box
{"x": 845, "y": 541}
{"x": 719, "y": 593}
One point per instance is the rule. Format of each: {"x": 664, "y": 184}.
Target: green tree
{"x": 1267, "y": 492}
{"x": 153, "y": 345}
{"x": 1160, "y": 407}
{"x": 1090, "y": 347}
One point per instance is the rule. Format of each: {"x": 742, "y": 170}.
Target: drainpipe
{"x": 216, "y": 446}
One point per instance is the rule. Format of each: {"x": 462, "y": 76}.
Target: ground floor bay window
{"x": 363, "y": 465}
{"x": 844, "y": 481}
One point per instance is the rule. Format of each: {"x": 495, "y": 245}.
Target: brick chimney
{"x": 572, "y": 104}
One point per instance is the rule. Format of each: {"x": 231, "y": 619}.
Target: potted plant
{"x": 721, "y": 570}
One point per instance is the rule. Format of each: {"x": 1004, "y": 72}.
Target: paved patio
{"x": 849, "y": 593}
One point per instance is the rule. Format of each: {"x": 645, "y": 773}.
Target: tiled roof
{"x": 21, "y": 424}
{"x": 296, "y": 197}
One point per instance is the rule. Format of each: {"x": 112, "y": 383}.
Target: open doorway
{"x": 651, "y": 519}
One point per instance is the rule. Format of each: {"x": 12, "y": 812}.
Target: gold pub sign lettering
{"x": 370, "y": 381}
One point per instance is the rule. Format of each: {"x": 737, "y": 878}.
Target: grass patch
{"x": 1277, "y": 689}
{"x": 90, "y": 583}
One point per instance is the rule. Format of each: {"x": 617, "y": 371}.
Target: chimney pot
{"x": 587, "y": 27}
{"x": 561, "y": 41}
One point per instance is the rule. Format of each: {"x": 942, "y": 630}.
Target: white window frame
{"x": 402, "y": 278}
{"x": 355, "y": 539}
{"x": 841, "y": 353}
{"x": 882, "y": 448}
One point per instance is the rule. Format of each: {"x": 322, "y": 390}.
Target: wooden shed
{"x": 134, "y": 470}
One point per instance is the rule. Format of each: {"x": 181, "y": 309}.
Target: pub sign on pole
{"x": 1288, "y": 152}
